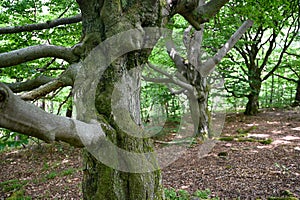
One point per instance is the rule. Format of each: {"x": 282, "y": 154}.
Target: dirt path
{"x": 231, "y": 170}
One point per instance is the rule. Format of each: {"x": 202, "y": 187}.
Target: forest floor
{"x": 244, "y": 166}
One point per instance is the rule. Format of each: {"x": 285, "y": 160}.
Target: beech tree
{"x": 105, "y": 75}
{"x": 192, "y": 72}
{"x": 276, "y": 25}
{"x": 292, "y": 65}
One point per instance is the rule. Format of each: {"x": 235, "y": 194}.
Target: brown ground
{"x": 231, "y": 170}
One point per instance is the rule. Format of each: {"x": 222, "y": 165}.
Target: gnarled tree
{"x": 118, "y": 75}
{"x": 276, "y": 25}
{"x": 192, "y": 72}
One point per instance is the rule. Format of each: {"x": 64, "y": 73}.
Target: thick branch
{"x": 197, "y": 14}
{"x": 35, "y": 52}
{"x": 210, "y": 64}
{"x": 28, "y": 119}
{"x": 41, "y": 26}
{"x": 165, "y": 81}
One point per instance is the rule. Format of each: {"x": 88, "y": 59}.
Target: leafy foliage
{"x": 11, "y": 139}
{"x": 22, "y": 12}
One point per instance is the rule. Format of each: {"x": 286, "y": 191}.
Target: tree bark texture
{"x": 101, "y": 20}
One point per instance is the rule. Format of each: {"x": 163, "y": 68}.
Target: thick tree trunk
{"x": 101, "y": 20}
{"x": 104, "y": 182}
{"x": 253, "y": 103}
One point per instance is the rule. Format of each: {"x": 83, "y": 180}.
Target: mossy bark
{"x": 101, "y": 20}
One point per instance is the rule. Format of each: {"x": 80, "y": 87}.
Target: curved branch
{"x": 41, "y": 26}
{"x": 35, "y": 52}
{"x": 65, "y": 79}
{"x": 43, "y": 90}
{"x": 25, "y": 118}
{"x": 29, "y": 84}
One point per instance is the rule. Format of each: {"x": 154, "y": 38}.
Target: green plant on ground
{"x": 19, "y": 195}
{"x": 282, "y": 198}
{"x": 203, "y": 194}
{"x": 51, "y": 175}
{"x": 247, "y": 130}
{"x": 12, "y": 185}
{"x": 45, "y": 166}
{"x": 240, "y": 138}
{"x": 68, "y": 172}
{"x": 172, "y": 194}
{"x": 283, "y": 169}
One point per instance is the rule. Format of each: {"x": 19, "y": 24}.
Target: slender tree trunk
{"x": 101, "y": 20}
{"x": 297, "y": 97}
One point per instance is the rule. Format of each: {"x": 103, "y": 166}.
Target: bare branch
{"x": 35, "y": 52}
{"x": 29, "y": 84}
{"x": 28, "y": 119}
{"x": 41, "y": 26}
{"x": 293, "y": 54}
{"x": 293, "y": 70}
{"x": 65, "y": 79}
{"x": 165, "y": 81}
{"x": 197, "y": 14}
{"x": 292, "y": 34}
{"x": 175, "y": 92}
{"x": 180, "y": 83}
{"x": 272, "y": 46}
{"x": 156, "y": 80}
{"x": 286, "y": 78}
{"x": 210, "y": 64}
{"x": 43, "y": 90}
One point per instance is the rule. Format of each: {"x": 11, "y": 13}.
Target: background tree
{"x": 276, "y": 25}
{"x": 96, "y": 123}
{"x": 191, "y": 74}
{"x": 294, "y": 76}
